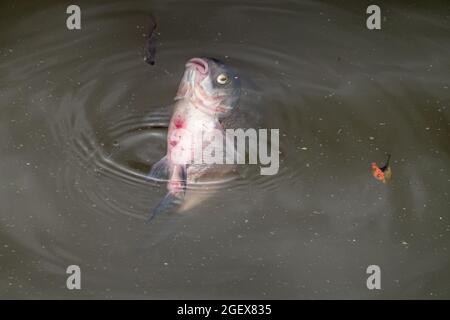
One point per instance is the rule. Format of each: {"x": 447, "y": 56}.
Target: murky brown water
{"x": 79, "y": 115}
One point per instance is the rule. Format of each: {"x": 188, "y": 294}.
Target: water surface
{"x": 81, "y": 120}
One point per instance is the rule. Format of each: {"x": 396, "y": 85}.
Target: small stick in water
{"x": 150, "y": 40}
{"x": 384, "y": 173}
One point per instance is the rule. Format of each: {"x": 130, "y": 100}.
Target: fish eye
{"x": 222, "y": 78}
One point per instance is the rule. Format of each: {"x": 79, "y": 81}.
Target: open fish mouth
{"x": 201, "y": 65}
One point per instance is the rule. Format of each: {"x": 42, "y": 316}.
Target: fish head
{"x": 210, "y": 86}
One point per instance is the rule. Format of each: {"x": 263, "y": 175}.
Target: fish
{"x": 150, "y": 40}
{"x": 383, "y": 173}
{"x": 208, "y": 94}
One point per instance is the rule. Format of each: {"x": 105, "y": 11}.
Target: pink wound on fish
{"x": 178, "y": 123}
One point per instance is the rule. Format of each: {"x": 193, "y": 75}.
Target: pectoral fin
{"x": 177, "y": 188}
{"x": 161, "y": 170}
{"x": 169, "y": 203}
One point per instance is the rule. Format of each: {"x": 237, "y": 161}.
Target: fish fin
{"x": 175, "y": 196}
{"x": 170, "y": 202}
{"x": 161, "y": 170}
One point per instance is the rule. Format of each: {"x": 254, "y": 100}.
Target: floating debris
{"x": 150, "y": 40}
{"x": 383, "y": 173}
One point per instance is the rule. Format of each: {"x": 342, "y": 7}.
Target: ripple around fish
{"x": 111, "y": 137}
{"x": 107, "y": 170}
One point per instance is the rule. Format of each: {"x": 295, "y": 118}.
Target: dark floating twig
{"x": 150, "y": 40}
